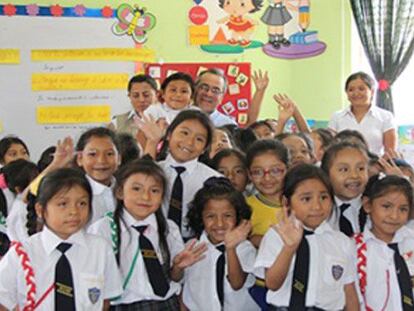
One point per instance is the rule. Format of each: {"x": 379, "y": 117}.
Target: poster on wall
{"x": 236, "y": 100}
{"x": 232, "y": 26}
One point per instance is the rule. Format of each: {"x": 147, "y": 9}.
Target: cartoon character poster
{"x": 231, "y": 26}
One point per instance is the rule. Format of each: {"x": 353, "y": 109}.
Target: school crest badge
{"x": 94, "y": 294}
{"x": 337, "y": 272}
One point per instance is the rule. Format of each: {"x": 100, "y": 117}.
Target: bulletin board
{"x": 63, "y": 70}
{"x": 236, "y": 100}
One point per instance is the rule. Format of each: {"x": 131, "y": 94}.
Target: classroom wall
{"x": 315, "y": 83}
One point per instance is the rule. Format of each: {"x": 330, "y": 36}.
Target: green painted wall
{"x": 315, "y": 83}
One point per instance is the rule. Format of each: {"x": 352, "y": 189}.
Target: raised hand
{"x": 64, "y": 153}
{"x": 286, "y": 106}
{"x": 191, "y": 254}
{"x": 151, "y": 129}
{"x": 238, "y": 234}
{"x": 260, "y": 80}
{"x": 290, "y": 229}
{"x": 390, "y": 168}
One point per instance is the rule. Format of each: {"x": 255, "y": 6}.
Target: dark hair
{"x": 128, "y": 148}
{"x": 298, "y": 174}
{"x": 178, "y": 76}
{"x": 256, "y": 3}
{"x": 185, "y": 115}
{"x": 305, "y": 137}
{"x": 205, "y": 157}
{"x": 244, "y": 138}
{"x": 326, "y": 136}
{"x": 147, "y": 167}
{"x": 46, "y": 158}
{"x": 213, "y": 71}
{"x": 379, "y": 186}
{"x": 351, "y": 135}
{"x": 267, "y": 145}
{"x": 256, "y": 124}
{"x": 5, "y": 144}
{"x": 19, "y": 174}
{"x": 96, "y": 132}
{"x": 215, "y": 162}
{"x": 216, "y": 188}
{"x": 52, "y": 183}
{"x": 333, "y": 150}
{"x": 369, "y": 82}
{"x": 143, "y": 79}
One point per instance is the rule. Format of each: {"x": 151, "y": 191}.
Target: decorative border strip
{"x": 56, "y": 11}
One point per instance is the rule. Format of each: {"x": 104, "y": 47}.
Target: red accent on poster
{"x": 236, "y": 100}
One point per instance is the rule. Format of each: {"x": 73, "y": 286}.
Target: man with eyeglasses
{"x": 211, "y": 86}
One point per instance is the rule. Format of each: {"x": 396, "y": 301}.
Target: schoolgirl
{"x": 98, "y": 156}
{"x": 267, "y": 162}
{"x": 187, "y": 137}
{"x": 346, "y": 164}
{"x": 149, "y": 249}
{"x": 219, "y": 217}
{"x": 61, "y": 267}
{"x": 305, "y": 263}
{"x": 176, "y": 92}
{"x": 385, "y": 251}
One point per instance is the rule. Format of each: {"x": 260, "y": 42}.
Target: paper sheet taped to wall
{"x": 79, "y": 81}
{"x": 73, "y": 114}
{"x": 9, "y": 56}
{"x": 106, "y": 54}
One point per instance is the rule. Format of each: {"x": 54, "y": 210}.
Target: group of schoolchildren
{"x": 208, "y": 219}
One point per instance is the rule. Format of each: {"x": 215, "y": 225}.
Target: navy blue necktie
{"x": 220, "y": 267}
{"x": 345, "y": 225}
{"x": 64, "y": 290}
{"x": 404, "y": 279}
{"x": 156, "y": 276}
{"x": 176, "y": 201}
{"x": 300, "y": 275}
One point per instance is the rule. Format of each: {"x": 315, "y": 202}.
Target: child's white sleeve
{"x": 269, "y": 249}
{"x": 9, "y": 266}
{"x": 246, "y": 253}
{"x": 113, "y": 279}
{"x": 351, "y": 274}
{"x": 174, "y": 240}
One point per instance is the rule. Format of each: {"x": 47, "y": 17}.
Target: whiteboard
{"x": 17, "y": 100}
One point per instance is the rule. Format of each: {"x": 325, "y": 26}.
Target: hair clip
{"x": 3, "y": 183}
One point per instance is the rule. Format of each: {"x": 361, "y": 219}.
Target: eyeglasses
{"x": 273, "y": 172}
{"x": 214, "y": 89}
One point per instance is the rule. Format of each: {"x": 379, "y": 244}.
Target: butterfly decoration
{"x": 133, "y": 21}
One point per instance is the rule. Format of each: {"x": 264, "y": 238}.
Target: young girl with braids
{"x": 385, "y": 251}
{"x": 220, "y": 218}
{"x": 61, "y": 267}
{"x": 149, "y": 248}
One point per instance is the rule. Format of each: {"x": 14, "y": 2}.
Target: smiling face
{"x": 359, "y": 93}
{"x": 209, "y": 92}
{"x": 15, "y": 152}
{"x": 238, "y": 7}
{"x": 142, "y": 195}
{"x": 177, "y": 94}
{"x": 219, "y": 216}
{"x": 270, "y": 182}
{"x": 235, "y": 171}
{"x": 298, "y": 150}
{"x": 66, "y": 212}
{"x": 220, "y": 141}
{"x": 349, "y": 173}
{"x": 388, "y": 213}
{"x": 99, "y": 159}
{"x": 311, "y": 203}
{"x": 142, "y": 95}
{"x": 187, "y": 141}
